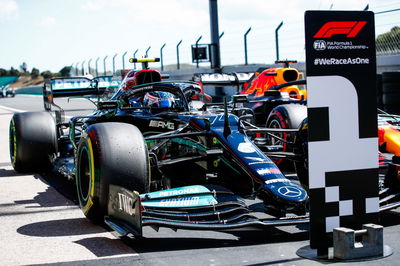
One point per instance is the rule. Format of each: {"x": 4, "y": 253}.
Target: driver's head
{"x": 158, "y": 100}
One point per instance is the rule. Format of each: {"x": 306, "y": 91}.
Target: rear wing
{"x": 222, "y": 79}
{"x": 75, "y": 86}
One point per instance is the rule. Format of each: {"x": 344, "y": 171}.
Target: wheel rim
{"x": 276, "y": 124}
{"x": 84, "y": 173}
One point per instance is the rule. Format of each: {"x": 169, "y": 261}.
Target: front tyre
{"x": 109, "y": 153}
{"x": 288, "y": 116}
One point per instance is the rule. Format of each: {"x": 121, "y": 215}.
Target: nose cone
{"x": 287, "y": 191}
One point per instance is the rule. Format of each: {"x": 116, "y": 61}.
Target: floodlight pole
{"x": 104, "y": 64}
{"x": 161, "y": 56}
{"x": 215, "y": 56}
{"x": 222, "y": 34}
{"x": 277, "y": 40}
{"x": 114, "y": 63}
{"x": 90, "y": 60}
{"x": 177, "y": 54}
{"x": 83, "y": 71}
{"x": 123, "y": 60}
{"x": 97, "y": 72}
{"x": 147, "y": 51}
{"x": 134, "y": 56}
{"x": 245, "y": 46}
{"x": 197, "y": 49}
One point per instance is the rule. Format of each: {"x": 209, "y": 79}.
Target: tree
{"x": 47, "y": 74}
{"x": 65, "y": 71}
{"x": 35, "y": 73}
{"x": 389, "y": 42}
{"x": 3, "y": 72}
{"x": 14, "y": 72}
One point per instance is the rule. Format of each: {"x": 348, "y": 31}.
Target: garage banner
{"x": 342, "y": 117}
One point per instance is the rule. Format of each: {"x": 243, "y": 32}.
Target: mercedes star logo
{"x": 290, "y": 191}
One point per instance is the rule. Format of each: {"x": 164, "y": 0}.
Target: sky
{"x": 51, "y": 34}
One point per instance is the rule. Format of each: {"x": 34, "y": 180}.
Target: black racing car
{"x": 153, "y": 156}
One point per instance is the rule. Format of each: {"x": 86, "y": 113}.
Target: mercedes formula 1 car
{"x": 153, "y": 155}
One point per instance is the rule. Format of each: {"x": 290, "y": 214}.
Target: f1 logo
{"x": 349, "y": 28}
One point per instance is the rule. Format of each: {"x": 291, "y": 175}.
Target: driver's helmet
{"x": 159, "y": 100}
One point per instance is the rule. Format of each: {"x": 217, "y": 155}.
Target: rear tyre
{"x": 33, "y": 141}
{"x": 109, "y": 153}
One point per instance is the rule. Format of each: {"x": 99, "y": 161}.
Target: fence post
{"x": 134, "y": 56}
{"x": 123, "y": 60}
{"x": 104, "y": 64}
{"x": 161, "y": 57}
{"x": 197, "y": 47}
{"x": 147, "y": 51}
{"x": 76, "y": 69}
{"x": 114, "y": 63}
{"x": 277, "y": 40}
{"x": 245, "y": 45}
{"x": 83, "y": 70}
{"x": 177, "y": 54}
{"x": 97, "y": 72}
{"x": 90, "y": 60}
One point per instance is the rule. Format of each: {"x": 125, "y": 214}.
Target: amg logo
{"x": 349, "y": 28}
{"x": 161, "y": 124}
{"x": 126, "y": 204}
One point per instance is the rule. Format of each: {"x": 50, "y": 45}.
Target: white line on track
{"x": 12, "y": 109}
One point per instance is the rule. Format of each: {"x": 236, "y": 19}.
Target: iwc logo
{"x": 319, "y": 45}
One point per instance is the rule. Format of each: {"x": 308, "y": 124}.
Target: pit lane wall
{"x": 35, "y": 90}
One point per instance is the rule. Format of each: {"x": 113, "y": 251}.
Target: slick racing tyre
{"x": 33, "y": 141}
{"x": 287, "y": 116}
{"x": 109, "y": 153}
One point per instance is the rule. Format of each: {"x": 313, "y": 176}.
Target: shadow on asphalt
{"x": 61, "y": 184}
{"x": 8, "y": 172}
{"x": 104, "y": 247}
{"x": 46, "y": 199}
{"x": 64, "y": 227}
{"x": 243, "y": 238}
{"x": 390, "y": 218}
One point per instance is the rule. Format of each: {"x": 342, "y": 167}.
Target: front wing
{"x": 199, "y": 208}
